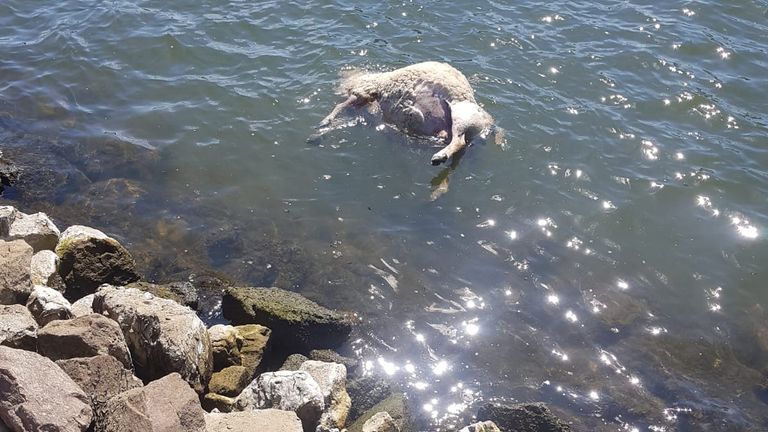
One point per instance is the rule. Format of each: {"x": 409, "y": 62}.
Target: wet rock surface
{"x": 528, "y": 417}
{"x": 85, "y": 336}
{"x": 35, "y": 394}
{"x": 18, "y": 329}
{"x": 9, "y": 173}
{"x": 15, "y": 272}
{"x": 366, "y": 392}
{"x": 395, "y": 405}
{"x": 331, "y": 356}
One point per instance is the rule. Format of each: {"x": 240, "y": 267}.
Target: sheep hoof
{"x": 439, "y": 158}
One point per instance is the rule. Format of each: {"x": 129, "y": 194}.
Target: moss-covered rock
{"x": 229, "y": 381}
{"x": 395, "y": 405}
{"x": 183, "y": 293}
{"x": 526, "y": 417}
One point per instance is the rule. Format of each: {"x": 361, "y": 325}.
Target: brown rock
{"x": 225, "y": 344}
{"x": 255, "y": 343}
{"x": 15, "y": 272}
{"x": 213, "y": 401}
{"x": 86, "y": 336}
{"x": 18, "y": 328}
{"x": 229, "y": 381}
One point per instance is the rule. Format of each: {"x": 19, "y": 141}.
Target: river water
{"x": 607, "y": 257}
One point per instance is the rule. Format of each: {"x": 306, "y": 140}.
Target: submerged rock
{"x": 366, "y": 392}
{"x": 9, "y": 173}
{"x": 250, "y": 421}
{"x": 162, "y": 335}
{"x": 331, "y": 356}
{"x": 183, "y": 293}
{"x": 46, "y": 305}
{"x": 36, "y": 229}
{"x": 165, "y": 405}
{"x": 35, "y": 394}
{"x": 296, "y": 322}
{"x": 86, "y": 336}
{"x": 395, "y": 405}
{"x": 18, "y": 329}
{"x": 526, "y": 417}
{"x": 15, "y": 272}
{"x": 89, "y": 258}
{"x": 486, "y": 426}
{"x": 381, "y": 422}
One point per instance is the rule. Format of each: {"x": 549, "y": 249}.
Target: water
{"x": 608, "y": 258}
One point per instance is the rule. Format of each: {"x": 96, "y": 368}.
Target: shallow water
{"x": 606, "y": 258}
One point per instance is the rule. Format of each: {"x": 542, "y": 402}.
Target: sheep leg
{"x": 352, "y": 100}
{"x": 457, "y": 144}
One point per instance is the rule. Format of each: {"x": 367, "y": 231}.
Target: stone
{"x": 162, "y": 335}
{"x": 225, "y": 345}
{"x": 183, "y": 293}
{"x": 47, "y": 304}
{"x": 365, "y": 393}
{"x": 36, "y": 229}
{"x": 381, "y": 422}
{"x": 214, "y": 401}
{"x": 525, "y": 417}
{"x": 332, "y": 379}
{"x": 7, "y": 215}
{"x": 89, "y": 258}
{"x": 101, "y": 377}
{"x": 229, "y": 381}
{"x": 251, "y": 421}
{"x": 165, "y": 405}
{"x": 255, "y": 344}
{"x": 395, "y": 405}
{"x": 83, "y": 307}
{"x": 9, "y": 173}
{"x": 293, "y": 362}
{"x": 85, "y": 336}
{"x": 35, "y": 394}
{"x": 18, "y": 329}
{"x": 486, "y": 426}
{"x": 331, "y": 356}
{"x": 293, "y": 391}
{"x": 43, "y": 267}
{"x": 15, "y": 272}
{"x": 297, "y": 323}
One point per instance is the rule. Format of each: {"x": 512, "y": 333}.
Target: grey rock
{"x": 293, "y": 362}
{"x": 297, "y": 323}
{"x": 331, "y": 356}
{"x": 15, "y": 272}
{"x": 164, "y": 405}
{"x": 526, "y": 417}
{"x": 46, "y": 305}
{"x": 381, "y": 422}
{"x": 101, "y": 377}
{"x": 332, "y": 379}
{"x": 486, "y": 426}
{"x": 395, "y": 405}
{"x": 250, "y": 421}
{"x": 162, "y": 335}
{"x": 83, "y": 307}
{"x": 9, "y": 173}
{"x": 36, "y": 229}
{"x": 43, "y": 267}
{"x": 183, "y": 293}
{"x": 7, "y": 215}
{"x": 225, "y": 344}
{"x": 89, "y": 258}
{"x": 18, "y": 328}
{"x": 35, "y": 394}
{"x": 293, "y": 391}
{"x": 86, "y": 336}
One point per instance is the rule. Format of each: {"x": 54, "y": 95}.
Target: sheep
{"x": 429, "y": 99}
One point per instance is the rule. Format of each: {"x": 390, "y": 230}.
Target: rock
{"x": 365, "y": 393}
{"x": 183, "y": 293}
{"x": 255, "y": 344}
{"x": 36, "y": 229}
{"x": 165, "y": 405}
{"x": 18, "y": 328}
{"x": 225, "y": 345}
{"x": 47, "y": 304}
{"x": 9, "y": 173}
{"x": 296, "y": 322}
{"x": 293, "y": 362}
{"x": 486, "y": 426}
{"x": 229, "y": 381}
{"x": 7, "y": 215}
{"x": 83, "y": 307}
{"x": 331, "y": 356}
{"x": 250, "y": 421}
{"x": 526, "y": 417}
{"x": 216, "y": 401}
{"x": 395, "y": 405}
{"x": 381, "y": 422}
{"x": 43, "y": 267}
{"x": 86, "y": 336}
{"x": 293, "y": 391}
{"x": 162, "y": 335}
{"x": 101, "y": 377}
{"x": 15, "y": 272}
{"x": 88, "y": 258}
{"x": 332, "y": 379}
{"x": 35, "y": 394}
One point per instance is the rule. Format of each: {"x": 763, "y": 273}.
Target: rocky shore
{"x": 86, "y": 346}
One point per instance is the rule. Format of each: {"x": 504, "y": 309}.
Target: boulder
{"x": 7, "y": 215}
{"x": 101, "y": 377}
{"x": 332, "y": 379}
{"x": 18, "y": 328}
{"x": 229, "y": 381}
{"x": 365, "y": 393}
{"x": 395, "y": 405}
{"x": 165, "y": 405}
{"x": 297, "y": 323}
{"x": 183, "y": 293}
{"x": 89, "y": 258}
{"x": 162, "y": 335}
{"x": 225, "y": 345}
{"x": 86, "y": 336}
{"x": 486, "y": 426}
{"x": 293, "y": 391}
{"x": 15, "y": 272}
{"x": 525, "y": 417}
{"x": 214, "y": 401}
{"x": 255, "y": 344}
{"x": 293, "y": 362}
{"x": 250, "y": 421}
{"x": 47, "y": 304}
{"x": 331, "y": 356}
{"x": 83, "y": 307}
{"x": 381, "y": 422}
{"x": 36, "y": 229}
{"x": 35, "y": 394}
{"x": 43, "y": 266}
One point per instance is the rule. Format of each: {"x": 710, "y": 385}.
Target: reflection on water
{"x": 607, "y": 259}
